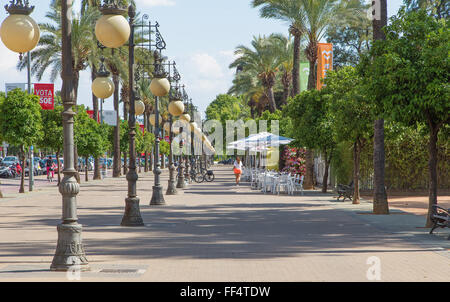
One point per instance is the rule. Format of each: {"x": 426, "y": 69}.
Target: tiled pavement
{"x": 220, "y": 232}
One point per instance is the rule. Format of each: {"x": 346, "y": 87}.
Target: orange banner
{"x": 325, "y": 62}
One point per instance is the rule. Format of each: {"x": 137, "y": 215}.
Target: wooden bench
{"x": 440, "y": 218}
{"x": 346, "y": 191}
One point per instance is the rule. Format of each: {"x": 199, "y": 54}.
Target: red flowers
{"x": 294, "y": 160}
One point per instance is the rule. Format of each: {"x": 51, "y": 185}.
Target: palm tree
{"x": 247, "y": 85}
{"x": 293, "y": 13}
{"x": 284, "y": 47}
{"x": 263, "y": 61}
{"x": 380, "y": 203}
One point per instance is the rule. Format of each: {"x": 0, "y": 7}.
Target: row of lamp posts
{"x": 21, "y": 34}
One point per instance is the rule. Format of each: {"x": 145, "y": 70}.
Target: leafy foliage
{"x": 20, "y": 119}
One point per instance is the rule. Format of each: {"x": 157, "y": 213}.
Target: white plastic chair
{"x": 283, "y": 182}
{"x": 298, "y": 184}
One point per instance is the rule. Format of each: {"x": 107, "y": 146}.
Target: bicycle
{"x": 50, "y": 174}
{"x": 206, "y": 175}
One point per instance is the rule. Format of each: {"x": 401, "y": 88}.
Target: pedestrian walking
{"x": 50, "y": 165}
{"x": 237, "y": 169}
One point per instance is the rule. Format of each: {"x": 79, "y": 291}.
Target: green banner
{"x": 304, "y": 74}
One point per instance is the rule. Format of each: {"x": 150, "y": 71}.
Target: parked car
{"x": 43, "y": 164}
{"x": 9, "y": 160}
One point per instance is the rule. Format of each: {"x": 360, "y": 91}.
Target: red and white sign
{"x": 91, "y": 115}
{"x": 142, "y": 128}
{"x": 46, "y": 95}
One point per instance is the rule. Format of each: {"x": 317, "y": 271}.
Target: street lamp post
{"x": 159, "y": 87}
{"x": 69, "y": 250}
{"x": 112, "y": 30}
{"x": 174, "y": 110}
{"x": 132, "y": 215}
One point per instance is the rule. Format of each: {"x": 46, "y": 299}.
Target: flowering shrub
{"x": 294, "y": 159}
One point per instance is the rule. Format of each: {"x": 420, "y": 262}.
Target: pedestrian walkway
{"x": 220, "y": 232}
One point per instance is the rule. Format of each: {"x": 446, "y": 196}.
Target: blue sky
{"x": 201, "y": 36}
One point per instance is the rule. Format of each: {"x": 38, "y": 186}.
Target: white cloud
{"x": 156, "y": 2}
{"x": 207, "y": 66}
{"x": 9, "y": 73}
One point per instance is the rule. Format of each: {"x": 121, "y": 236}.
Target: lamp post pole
{"x": 157, "y": 195}
{"x": 171, "y": 188}
{"x": 31, "y": 166}
{"x": 193, "y": 155}
{"x": 69, "y": 250}
{"x": 180, "y": 183}
{"x": 132, "y": 216}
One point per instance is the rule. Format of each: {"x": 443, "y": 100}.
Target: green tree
{"x": 408, "y": 76}
{"x": 293, "y": 13}
{"x": 89, "y": 137}
{"x": 263, "y": 60}
{"x": 313, "y": 126}
{"x": 350, "y": 113}
{"x": 437, "y": 8}
{"x": 21, "y": 123}
{"x": 164, "y": 147}
{"x": 53, "y": 133}
{"x": 226, "y": 107}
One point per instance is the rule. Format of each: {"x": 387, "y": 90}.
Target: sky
{"x": 201, "y": 37}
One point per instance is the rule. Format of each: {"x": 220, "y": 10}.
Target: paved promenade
{"x": 220, "y": 232}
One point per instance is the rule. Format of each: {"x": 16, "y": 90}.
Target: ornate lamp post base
{"x": 69, "y": 253}
{"x": 157, "y": 197}
{"x": 132, "y": 216}
{"x": 171, "y": 188}
{"x": 181, "y": 184}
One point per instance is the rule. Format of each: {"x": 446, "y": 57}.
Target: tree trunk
{"x": 325, "y": 175}
{"x": 296, "y": 68}
{"x": 309, "y": 175}
{"x": 75, "y": 159}
{"x": 117, "y": 157}
{"x": 86, "y": 170}
{"x": 271, "y": 97}
{"x": 380, "y": 202}
{"x": 312, "y": 75}
{"x": 22, "y": 176}
{"x": 356, "y": 161}
{"x": 59, "y": 166}
{"x": 150, "y": 165}
{"x": 432, "y": 167}
{"x": 146, "y": 162}
{"x": 286, "y": 85}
